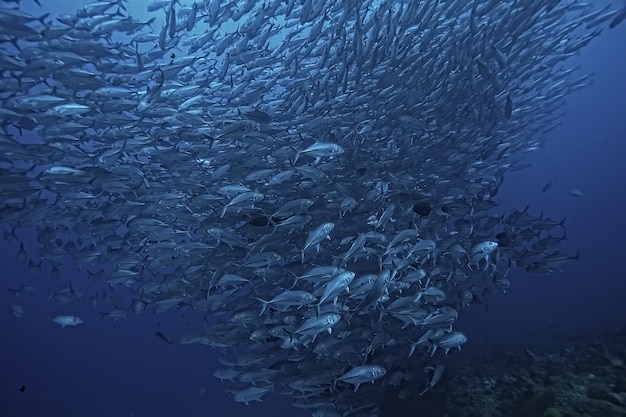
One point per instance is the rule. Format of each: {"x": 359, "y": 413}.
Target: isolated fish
{"x": 548, "y": 186}
{"x": 164, "y": 338}
{"x": 64, "y": 321}
{"x": 576, "y": 193}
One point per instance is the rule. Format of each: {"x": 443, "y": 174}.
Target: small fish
{"x": 548, "y": 185}
{"x": 164, "y": 338}
{"x": 23, "y": 289}
{"x": 251, "y": 394}
{"x": 618, "y": 18}
{"x": 64, "y": 321}
{"x": 576, "y": 193}
{"x": 437, "y": 373}
{"x": 508, "y": 107}
{"x": 207, "y": 164}
{"x": 316, "y": 236}
{"x": 17, "y": 311}
{"x": 321, "y": 150}
{"x": 361, "y": 374}
{"x": 449, "y": 341}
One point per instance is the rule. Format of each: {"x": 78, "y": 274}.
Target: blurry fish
{"x": 251, "y": 394}
{"x": 576, "y": 193}
{"x": 508, "y": 107}
{"x": 164, "y": 338}
{"x": 64, "y": 321}
{"x": 548, "y": 186}
{"x": 17, "y": 311}
{"x": 422, "y": 208}
{"x": 435, "y": 378}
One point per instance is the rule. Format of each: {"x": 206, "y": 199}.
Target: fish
{"x": 164, "y": 338}
{"x": 481, "y": 252}
{"x": 321, "y": 150}
{"x": 317, "y": 182}
{"x": 315, "y": 325}
{"x": 317, "y": 236}
{"x": 250, "y": 394}
{"x": 361, "y": 374}
{"x": 548, "y": 186}
{"x": 288, "y": 299}
{"x": 17, "y": 311}
{"x": 435, "y": 378}
{"x": 619, "y": 17}
{"x": 23, "y": 289}
{"x": 575, "y": 192}
{"x": 65, "y": 321}
{"x": 449, "y": 341}
{"x": 508, "y": 107}
{"x": 551, "y": 262}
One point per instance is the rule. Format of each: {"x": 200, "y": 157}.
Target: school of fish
{"x": 318, "y": 178}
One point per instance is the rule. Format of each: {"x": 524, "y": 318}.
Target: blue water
{"x": 106, "y": 369}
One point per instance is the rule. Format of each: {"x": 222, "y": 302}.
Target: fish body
{"x": 449, "y": 341}
{"x": 316, "y": 325}
{"x": 321, "y": 150}
{"x": 481, "y": 252}
{"x": 248, "y": 395}
{"x": 362, "y": 374}
{"x": 435, "y": 378}
{"x": 576, "y": 193}
{"x": 317, "y": 236}
{"x": 65, "y": 321}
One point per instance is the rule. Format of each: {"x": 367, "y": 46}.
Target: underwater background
{"x": 539, "y": 341}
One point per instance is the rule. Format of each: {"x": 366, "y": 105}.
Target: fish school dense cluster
{"x": 317, "y": 177}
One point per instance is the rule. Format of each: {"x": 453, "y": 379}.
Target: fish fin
{"x": 295, "y": 159}
{"x": 434, "y": 347}
{"x": 118, "y": 12}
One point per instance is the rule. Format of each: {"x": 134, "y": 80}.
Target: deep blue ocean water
{"x": 105, "y": 368}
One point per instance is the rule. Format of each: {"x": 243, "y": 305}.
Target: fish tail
{"x": 42, "y": 19}
{"x": 118, "y": 13}
{"x": 265, "y": 305}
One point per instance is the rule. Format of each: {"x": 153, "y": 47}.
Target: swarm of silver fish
{"x": 316, "y": 177}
